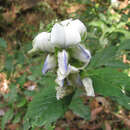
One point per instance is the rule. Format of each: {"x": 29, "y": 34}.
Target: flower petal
{"x": 81, "y": 53}
{"x": 63, "y": 62}
{"x": 58, "y": 36}
{"x": 72, "y": 37}
{"x": 50, "y": 63}
{"x": 87, "y": 82}
{"x": 59, "y": 81}
{"x": 72, "y": 69}
{"x": 42, "y": 42}
{"x": 80, "y": 27}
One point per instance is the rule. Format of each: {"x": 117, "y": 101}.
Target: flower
{"x": 64, "y": 69}
{"x": 87, "y": 83}
{"x": 115, "y": 3}
{"x": 49, "y": 64}
{"x": 42, "y": 42}
{"x": 64, "y": 35}
{"x": 76, "y": 25}
{"x": 81, "y": 53}
{"x": 68, "y": 33}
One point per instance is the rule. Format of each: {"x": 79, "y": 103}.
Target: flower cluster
{"x": 66, "y": 37}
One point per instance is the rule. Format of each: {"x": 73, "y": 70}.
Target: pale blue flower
{"x": 49, "y": 64}
{"x": 81, "y": 53}
{"x": 64, "y": 69}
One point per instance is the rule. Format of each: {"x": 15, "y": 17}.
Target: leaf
{"x": 17, "y": 118}
{"x": 107, "y": 57}
{"x": 45, "y": 108}
{"x": 12, "y": 95}
{"x": 3, "y": 43}
{"x": 124, "y": 101}
{"x": 103, "y": 56}
{"x": 8, "y": 116}
{"x": 78, "y": 107}
{"x": 99, "y": 24}
{"x": 21, "y": 102}
{"x": 111, "y": 82}
{"x": 116, "y": 64}
{"x": 125, "y": 45}
{"x": 9, "y": 65}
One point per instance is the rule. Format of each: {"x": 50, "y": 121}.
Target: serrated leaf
{"x": 103, "y": 56}
{"x": 3, "y": 43}
{"x": 45, "y": 107}
{"x": 8, "y": 116}
{"x": 109, "y": 82}
{"x": 78, "y": 107}
{"x": 107, "y": 57}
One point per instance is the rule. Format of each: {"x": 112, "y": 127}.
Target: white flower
{"x": 64, "y": 69}
{"x": 64, "y": 36}
{"x": 76, "y": 25}
{"x": 115, "y": 3}
{"x": 63, "y": 62}
{"x": 81, "y": 53}
{"x": 50, "y": 63}
{"x": 87, "y": 83}
{"x": 42, "y": 42}
{"x": 80, "y": 27}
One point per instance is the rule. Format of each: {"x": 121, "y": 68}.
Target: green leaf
{"x": 9, "y": 65}
{"x": 21, "y": 102}
{"x": 107, "y": 57}
{"x": 125, "y": 45}
{"x": 78, "y": 107}
{"x": 45, "y": 108}
{"x": 8, "y": 116}
{"x": 111, "y": 82}
{"x": 116, "y": 64}
{"x": 103, "y": 56}
{"x": 17, "y": 118}
{"x": 99, "y": 24}
{"x": 3, "y": 43}
{"x": 124, "y": 101}
{"x": 12, "y": 95}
